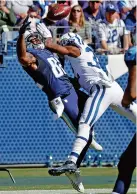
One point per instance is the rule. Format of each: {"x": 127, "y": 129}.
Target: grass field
{"x": 39, "y": 179}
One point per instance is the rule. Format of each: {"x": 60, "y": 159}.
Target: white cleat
{"x": 75, "y": 180}
{"x": 94, "y": 144}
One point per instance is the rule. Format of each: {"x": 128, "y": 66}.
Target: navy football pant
{"x": 73, "y": 107}
{"x": 126, "y": 167}
{"x": 72, "y": 113}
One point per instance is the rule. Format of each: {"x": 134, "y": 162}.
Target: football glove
{"x": 24, "y": 26}
{"x": 43, "y": 30}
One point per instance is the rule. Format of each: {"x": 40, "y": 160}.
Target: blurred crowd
{"x": 106, "y": 25}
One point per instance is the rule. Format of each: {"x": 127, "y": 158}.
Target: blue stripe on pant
{"x": 95, "y": 107}
{"x": 92, "y": 104}
{"x": 98, "y": 106}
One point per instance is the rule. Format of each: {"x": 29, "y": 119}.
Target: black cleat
{"x": 69, "y": 166}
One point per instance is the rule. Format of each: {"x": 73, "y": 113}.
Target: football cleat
{"x": 69, "y": 166}
{"x": 75, "y": 180}
{"x": 94, "y": 144}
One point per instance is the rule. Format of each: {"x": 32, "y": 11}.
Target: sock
{"x": 84, "y": 151}
{"x": 80, "y": 142}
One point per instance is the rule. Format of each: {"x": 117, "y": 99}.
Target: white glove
{"x": 43, "y": 30}
{"x": 58, "y": 106}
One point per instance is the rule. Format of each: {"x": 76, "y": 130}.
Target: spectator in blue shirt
{"x": 130, "y": 23}
{"x": 94, "y": 11}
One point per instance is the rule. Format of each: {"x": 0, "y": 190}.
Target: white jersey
{"x": 87, "y": 68}
{"x": 111, "y": 33}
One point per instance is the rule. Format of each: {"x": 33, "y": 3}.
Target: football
{"x": 58, "y": 11}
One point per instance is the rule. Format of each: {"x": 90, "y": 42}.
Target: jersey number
{"x": 57, "y": 69}
{"x": 112, "y": 36}
{"x": 94, "y": 60}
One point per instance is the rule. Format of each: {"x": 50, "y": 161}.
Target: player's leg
{"x": 82, "y": 98}
{"x": 74, "y": 176}
{"x": 70, "y": 116}
{"x": 73, "y": 107}
{"x": 84, "y": 151}
{"x": 95, "y": 106}
{"x": 126, "y": 167}
{"x": 71, "y": 110}
{"x": 130, "y": 112}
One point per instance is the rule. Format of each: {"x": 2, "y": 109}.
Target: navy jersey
{"x": 49, "y": 74}
{"x": 130, "y": 56}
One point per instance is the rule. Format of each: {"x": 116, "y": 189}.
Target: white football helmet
{"x": 28, "y": 35}
{"x": 71, "y": 39}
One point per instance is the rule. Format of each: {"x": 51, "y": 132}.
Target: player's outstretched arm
{"x": 62, "y": 50}
{"x": 25, "y": 58}
{"x": 21, "y": 45}
{"x": 21, "y": 48}
{"x": 130, "y": 92}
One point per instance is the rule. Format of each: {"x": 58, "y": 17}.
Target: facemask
{"x": 39, "y": 46}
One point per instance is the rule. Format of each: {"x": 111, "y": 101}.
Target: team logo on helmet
{"x": 71, "y": 39}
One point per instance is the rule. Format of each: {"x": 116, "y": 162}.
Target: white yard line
{"x": 87, "y": 191}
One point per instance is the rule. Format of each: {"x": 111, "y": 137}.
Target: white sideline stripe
{"x": 87, "y": 191}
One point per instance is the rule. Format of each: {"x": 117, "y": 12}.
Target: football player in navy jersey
{"x": 127, "y": 162}
{"x": 46, "y": 70}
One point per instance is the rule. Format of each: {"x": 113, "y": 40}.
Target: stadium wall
{"x": 28, "y": 133}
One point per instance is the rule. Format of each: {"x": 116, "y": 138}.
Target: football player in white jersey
{"x": 103, "y": 91}
{"x": 111, "y": 30}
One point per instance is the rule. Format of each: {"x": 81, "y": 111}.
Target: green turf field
{"x": 39, "y": 179}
